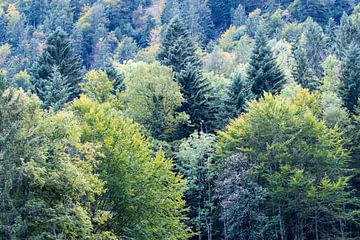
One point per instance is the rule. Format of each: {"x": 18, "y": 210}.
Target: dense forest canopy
{"x": 180, "y": 119}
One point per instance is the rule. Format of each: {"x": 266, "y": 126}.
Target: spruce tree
{"x": 60, "y": 53}
{"x": 302, "y": 73}
{"x": 178, "y": 52}
{"x": 239, "y": 92}
{"x": 56, "y": 91}
{"x": 263, "y": 71}
{"x": 350, "y": 77}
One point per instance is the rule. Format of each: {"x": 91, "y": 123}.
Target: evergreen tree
{"x": 2, "y": 28}
{"x": 316, "y": 9}
{"x": 350, "y": 77}
{"x": 302, "y": 73}
{"x": 56, "y": 91}
{"x": 178, "y": 52}
{"x": 239, "y": 92}
{"x": 263, "y": 71}
{"x": 313, "y": 42}
{"x": 339, "y": 7}
{"x": 60, "y": 53}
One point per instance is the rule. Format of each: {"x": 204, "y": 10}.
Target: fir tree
{"x": 350, "y": 77}
{"x": 302, "y": 73}
{"x": 239, "y": 92}
{"x": 58, "y": 52}
{"x": 178, "y": 52}
{"x": 57, "y": 90}
{"x": 263, "y": 71}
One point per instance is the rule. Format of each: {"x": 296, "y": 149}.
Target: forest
{"x": 180, "y": 119}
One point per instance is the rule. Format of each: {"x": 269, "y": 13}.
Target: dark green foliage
{"x": 263, "y": 71}
{"x": 195, "y": 161}
{"x": 316, "y": 9}
{"x": 221, "y": 12}
{"x": 178, "y": 52}
{"x": 57, "y": 90}
{"x": 340, "y": 7}
{"x": 347, "y": 33}
{"x": 350, "y": 77}
{"x": 2, "y": 29}
{"x": 241, "y": 199}
{"x": 239, "y": 93}
{"x": 302, "y": 73}
{"x": 57, "y": 53}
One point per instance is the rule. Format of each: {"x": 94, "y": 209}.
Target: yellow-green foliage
{"x": 143, "y": 194}
{"x": 151, "y": 96}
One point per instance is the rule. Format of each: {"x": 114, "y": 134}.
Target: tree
{"x": 60, "y": 53}
{"x": 239, "y": 93}
{"x": 58, "y": 16}
{"x": 143, "y": 194}
{"x": 340, "y": 7}
{"x": 178, "y": 52}
{"x": 56, "y": 91}
{"x": 333, "y": 111}
{"x": 313, "y": 42}
{"x": 241, "y": 200}
{"x": 47, "y": 182}
{"x": 152, "y": 97}
{"x": 263, "y": 71}
{"x": 295, "y": 157}
{"x": 301, "y": 72}
{"x": 316, "y": 9}
{"x": 350, "y": 77}
{"x": 195, "y": 159}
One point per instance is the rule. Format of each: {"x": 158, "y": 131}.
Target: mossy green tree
{"x": 179, "y": 53}
{"x": 263, "y": 71}
{"x": 58, "y": 53}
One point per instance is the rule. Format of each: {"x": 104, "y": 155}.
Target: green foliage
{"x": 46, "y": 192}
{"x": 349, "y": 75}
{"x": 178, "y": 52}
{"x": 241, "y": 199}
{"x": 152, "y": 98}
{"x": 58, "y": 54}
{"x": 263, "y": 70}
{"x": 142, "y": 193}
{"x": 296, "y": 158}
{"x": 195, "y": 161}
{"x": 316, "y": 9}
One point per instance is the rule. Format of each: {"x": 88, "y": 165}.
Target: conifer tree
{"x": 178, "y": 52}
{"x": 302, "y": 73}
{"x": 56, "y": 91}
{"x": 60, "y": 53}
{"x": 350, "y": 77}
{"x": 263, "y": 71}
{"x": 239, "y": 92}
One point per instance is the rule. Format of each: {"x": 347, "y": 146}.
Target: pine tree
{"x": 58, "y": 52}
{"x": 178, "y": 52}
{"x": 263, "y": 71}
{"x": 57, "y": 90}
{"x": 350, "y": 77}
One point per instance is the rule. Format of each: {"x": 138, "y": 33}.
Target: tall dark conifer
{"x": 350, "y": 77}
{"x": 60, "y": 53}
{"x": 178, "y": 52}
{"x": 302, "y": 73}
{"x": 263, "y": 71}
